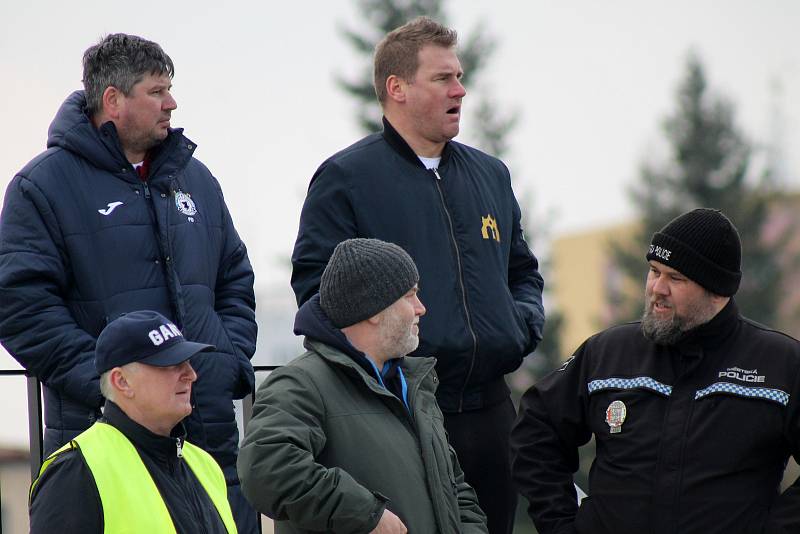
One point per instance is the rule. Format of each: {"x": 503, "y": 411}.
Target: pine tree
{"x": 709, "y": 166}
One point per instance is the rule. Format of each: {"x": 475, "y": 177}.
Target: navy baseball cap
{"x": 143, "y": 336}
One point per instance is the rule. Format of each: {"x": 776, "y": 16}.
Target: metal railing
{"x": 36, "y": 425}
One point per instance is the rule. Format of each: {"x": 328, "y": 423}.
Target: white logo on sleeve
{"x": 111, "y": 207}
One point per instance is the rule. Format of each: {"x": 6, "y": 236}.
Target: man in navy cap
{"x": 133, "y": 471}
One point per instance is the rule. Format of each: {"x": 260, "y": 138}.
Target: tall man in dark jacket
{"x": 348, "y": 437}
{"x": 452, "y": 208}
{"x": 694, "y": 410}
{"x": 118, "y": 216}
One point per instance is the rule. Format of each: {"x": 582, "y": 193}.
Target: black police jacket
{"x": 708, "y": 427}
{"x": 461, "y": 225}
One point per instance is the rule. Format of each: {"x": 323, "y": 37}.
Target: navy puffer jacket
{"x": 83, "y": 240}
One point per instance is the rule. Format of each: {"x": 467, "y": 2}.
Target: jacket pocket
{"x": 447, "y": 503}
{"x": 586, "y": 518}
{"x": 242, "y": 377}
{"x": 625, "y": 415}
{"x": 753, "y": 428}
{"x": 612, "y": 515}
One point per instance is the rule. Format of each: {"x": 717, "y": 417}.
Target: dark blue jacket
{"x": 83, "y": 240}
{"x": 478, "y": 278}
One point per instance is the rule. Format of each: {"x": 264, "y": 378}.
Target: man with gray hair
{"x": 117, "y": 215}
{"x": 348, "y": 437}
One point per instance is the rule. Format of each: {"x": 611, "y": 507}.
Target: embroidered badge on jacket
{"x": 184, "y": 203}
{"x": 489, "y": 224}
{"x": 615, "y": 416}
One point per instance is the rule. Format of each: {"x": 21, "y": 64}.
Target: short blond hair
{"x": 398, "y": 53}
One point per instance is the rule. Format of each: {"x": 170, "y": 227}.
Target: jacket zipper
{"x": 164, "y": 253}
{"x": 412, "y": 399}
{"x": 193, "y": 497}
{"x": 463, "y": 292}
{"x": 440, "y": 515}
{"x": 412, "y": 395}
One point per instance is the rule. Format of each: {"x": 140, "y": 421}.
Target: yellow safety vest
{"x": 131, "y": 501}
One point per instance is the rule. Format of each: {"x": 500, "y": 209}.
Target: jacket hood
{"x": 312, "y": 322}
{"x": 72, "y": 130}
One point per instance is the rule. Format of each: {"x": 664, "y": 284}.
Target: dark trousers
{"x": 480, "y": 439}
{"x": 246, "y": 518}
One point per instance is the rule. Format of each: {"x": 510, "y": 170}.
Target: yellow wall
{"x": 582, "y": 269}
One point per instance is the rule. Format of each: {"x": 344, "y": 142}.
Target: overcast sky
{"x": 591, "y": 82}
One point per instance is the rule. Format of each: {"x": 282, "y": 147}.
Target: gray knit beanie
{"x": 364, "y": 277}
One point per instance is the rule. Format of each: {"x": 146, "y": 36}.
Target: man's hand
{"x": 389, "y": 524}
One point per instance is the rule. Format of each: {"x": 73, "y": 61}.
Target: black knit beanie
{"x": 704, "y": 246}
{"x": 364, "y": 277}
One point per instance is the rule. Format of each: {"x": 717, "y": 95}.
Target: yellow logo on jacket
{"x": 489, "y": 224}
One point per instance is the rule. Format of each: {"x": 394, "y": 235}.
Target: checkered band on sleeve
{"x": 775, "y": 395}
{"x": 640, "y": 382}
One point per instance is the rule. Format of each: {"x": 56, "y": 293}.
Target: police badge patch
{"x": 615, "y": 416}
{"x": 184, "y": 203}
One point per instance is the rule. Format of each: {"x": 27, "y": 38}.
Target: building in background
{"x": 588, "y": 284}
{"x": 586, "y": 281}
{"x": 15, "y": 479}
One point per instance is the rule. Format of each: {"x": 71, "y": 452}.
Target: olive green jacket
{"x": 328, "y": 448}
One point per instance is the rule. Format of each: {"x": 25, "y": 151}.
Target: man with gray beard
{"x": 694, "y": 409}
{"x": 348, "y": 437}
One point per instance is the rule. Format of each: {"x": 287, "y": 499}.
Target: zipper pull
{"x": 436, "y": 172}
{"x": 179, "y": 447}
{"x": 146, "y": 190}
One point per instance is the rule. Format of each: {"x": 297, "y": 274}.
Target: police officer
{"x": 133, "y": 471}
{"x": 694, "y": 409}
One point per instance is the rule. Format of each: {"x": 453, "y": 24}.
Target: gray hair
{"x": 106, "y": 389}
{"x": 120, "y": 60}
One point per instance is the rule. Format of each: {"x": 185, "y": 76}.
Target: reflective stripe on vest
{"x": 131, "y": 501}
